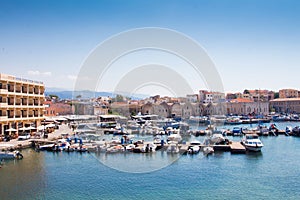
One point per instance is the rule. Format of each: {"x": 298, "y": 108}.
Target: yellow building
{"x": 21, "y": 103}
{"x": 288, "y": 93}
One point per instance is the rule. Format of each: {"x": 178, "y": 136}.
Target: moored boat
{"x": 11, "y": 155}
{"x": 208, "y": 150}
{"x": 252, "y": 142}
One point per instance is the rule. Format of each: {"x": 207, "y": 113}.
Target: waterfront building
{"x": 22, "y": 103}
{"x": 241, "y": 106}
{"x": 82, "y": 108}
{"x": 162, "y": 109}
{"x": 261, "y": 95}
{"x": 192, "y": 98}
{"x": 231, "y": 96}
{"x": 288, "y": 93}
{"x": 286, "y": 105}
{"x": 214, "y": 97}
{"x": 55, "y": 108}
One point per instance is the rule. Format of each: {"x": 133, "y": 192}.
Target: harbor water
{"x": 271, "y": 174}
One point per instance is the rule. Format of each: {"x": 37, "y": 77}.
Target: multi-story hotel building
{"x": 21, "y": 103}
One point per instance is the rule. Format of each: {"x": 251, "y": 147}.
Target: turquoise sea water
{"x": 272, "y": 174}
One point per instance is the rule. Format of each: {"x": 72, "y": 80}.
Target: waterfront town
{"x": 27, "y": 113}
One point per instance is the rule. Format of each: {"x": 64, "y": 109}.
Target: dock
{"x": 183, "y": 148}
{"x": 237, "y": 148}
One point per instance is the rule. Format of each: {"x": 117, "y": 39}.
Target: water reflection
{"x": 137, "y": 162}
{"x": 20, "y": 178}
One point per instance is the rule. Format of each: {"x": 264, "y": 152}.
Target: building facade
{"x": 53, "y": 108}
{"x": 22, "y": 103}
{"x": 286, "y": 105}
{"x": 288, "y": 93}
{"x": 246, "y": 107}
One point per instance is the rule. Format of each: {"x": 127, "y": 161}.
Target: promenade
{"x": 15, "y": 143}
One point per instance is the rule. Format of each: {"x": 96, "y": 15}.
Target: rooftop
{"x": 285, "y": 99}
{"x": 241, "y": 100}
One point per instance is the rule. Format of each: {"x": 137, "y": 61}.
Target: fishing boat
{"x": 252, "y": 142}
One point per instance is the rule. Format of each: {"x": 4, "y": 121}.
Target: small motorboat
{"x": 252, "y": 142}
{"x": 11, "y": 155}
{"x": 175, "y": 137}
{"x": 288, "y": 130}
{"x": 193, "y": 149}
{"x": 208, "y": 150}
{"x": 173, "y": 148}
{"x": 148, "y": 148}
{"x": 46, "y": 147}
{"x": 237, "y": 131}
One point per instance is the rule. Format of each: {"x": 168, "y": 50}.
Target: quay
{"x": 23, "y": 144}
{"x": 237, "y": 148}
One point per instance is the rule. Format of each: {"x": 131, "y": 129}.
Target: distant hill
{"x": 85, "y": 94}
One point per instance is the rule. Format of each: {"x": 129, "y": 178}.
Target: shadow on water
{"x": 254, "y": 155}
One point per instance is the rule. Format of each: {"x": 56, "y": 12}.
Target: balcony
{"x": 3, "y": 117}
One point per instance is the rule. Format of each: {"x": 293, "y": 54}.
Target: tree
{"x": 53, "y": 96}
{"x": 276, "y": 95}
{"x": 246, "y": 91}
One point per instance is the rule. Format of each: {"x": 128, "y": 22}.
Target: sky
{"x": 254, "y": 44}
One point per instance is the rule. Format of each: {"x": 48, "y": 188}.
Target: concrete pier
{"x": 237, "y": 148}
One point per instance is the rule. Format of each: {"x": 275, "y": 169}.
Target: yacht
{"x": 252, "y": 142}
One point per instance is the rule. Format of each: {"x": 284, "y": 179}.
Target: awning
{"x": 10, "y": 130}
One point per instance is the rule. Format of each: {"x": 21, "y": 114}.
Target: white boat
{"x": 148, "y": 147}
{"x": 25, "y": 136}
{"x": 11, "y": 155}
{"x": 288, "y": 130}
{"x": 157, "y": 139}
{"x": 129, "y": 147}
{"x": 114, "y": 149}
{"x": 252, "y": 142}
{"x": 173, "y": 148}
{"x": 208, "y": 150}
{"x": 214, "y": 139}
{"x": 217, "y": 138}
{"x": 45, "y": 147}
{"x": 175, "y": 137}
{"x": 194, "y": 149}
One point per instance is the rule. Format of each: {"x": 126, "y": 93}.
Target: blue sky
{"x": 253, "y": 43}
